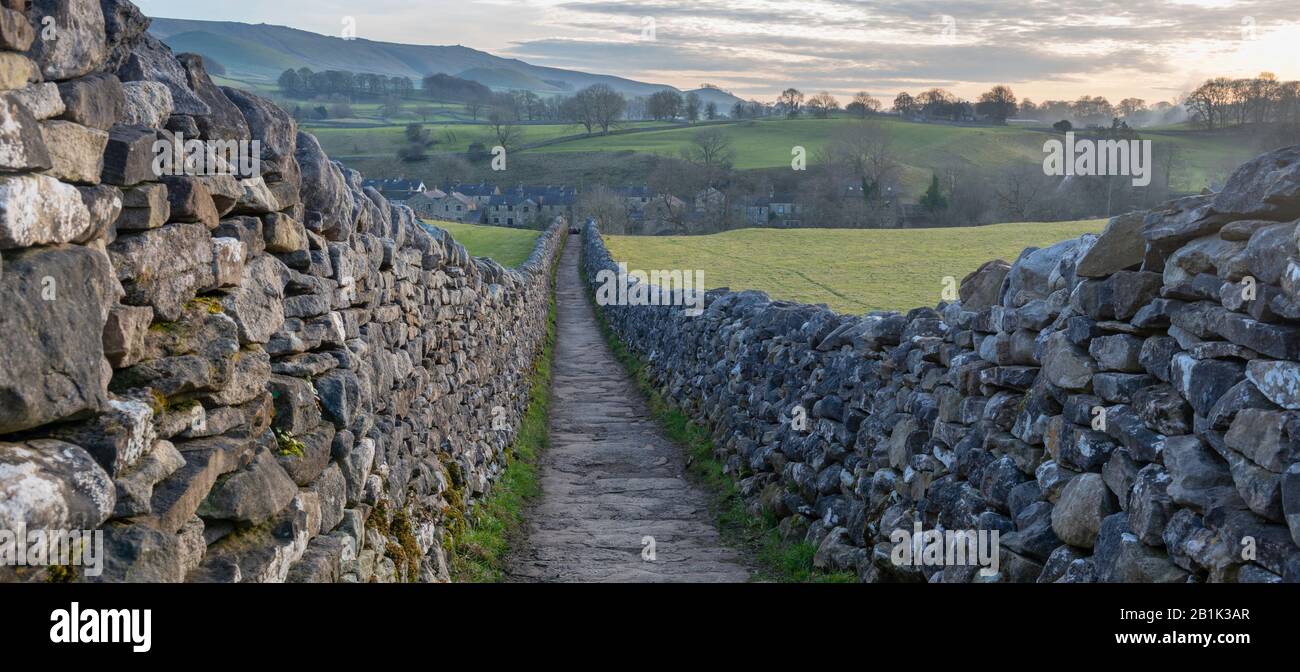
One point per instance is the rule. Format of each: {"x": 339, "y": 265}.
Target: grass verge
{"x": 476, "y": 553}
{"x": 759, "y": 536}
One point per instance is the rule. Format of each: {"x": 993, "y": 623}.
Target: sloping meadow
{"x": 1122, "y": 407}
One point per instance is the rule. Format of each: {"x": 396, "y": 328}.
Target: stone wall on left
{"x": 236, "y": 375}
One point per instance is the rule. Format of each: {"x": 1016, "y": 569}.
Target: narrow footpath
{"x": 615, "y": 503}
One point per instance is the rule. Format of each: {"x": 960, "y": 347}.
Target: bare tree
{"x": 791, "y": 100}
{"x": 668, "y": 179}
{"x": 595, "y": 106}
{"x": 604, "y": 206}
{"x": 822, "y": 104}
{"x": 665, "y": 104}
{"x": 998, "y": 103}
{"x": 905, "y": 105}
{"x": 863, "y": 104}
{"x": 865, "y": 150}
{"x": 504, "y": 130}
{"x": 1019, "y": 191}
{"x": 710, "y": 148}
{"x": 608, "y": 104}
{"x": 1131, "y": 107}
{"x": 693, "y": 107}
{"x": 578, "y": 111}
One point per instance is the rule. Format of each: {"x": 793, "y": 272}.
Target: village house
{"x": 512, "y": 210}
{"x": 559, "y": 205}
{"x": 783, "y": 211}
{"x": 778, "y": 210}
{"x": 551, "y": 200}
{"x": 710, "y": 200}
{"x": 753, "y": 211}
{"x": 665, "y": 214}
{"x": 669, "y": 202}
{"x": 398, "y": 190}
{"x": 481, "y": 193}
{"x": 424, "y": 203}
{"x": 636, "y": 198}
{"x": 532, "y": 206}
{"x": 453, "y": 207}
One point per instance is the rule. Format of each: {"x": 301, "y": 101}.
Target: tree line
{"x": 1220, "y": 102}
{"x": 341, "y": 84}
{"x": 1224, "y": 102}
{"x": 998, "y": 104}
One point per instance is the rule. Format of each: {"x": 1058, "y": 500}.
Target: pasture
{"x": 850, "y": 270}
{"x": 509, "y": 247}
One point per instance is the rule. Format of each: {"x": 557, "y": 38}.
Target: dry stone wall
{"x": 277, "y": 376}
{"x": 1120, "y": 408}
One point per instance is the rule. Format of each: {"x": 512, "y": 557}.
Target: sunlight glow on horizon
{"x": 764, "y": 46}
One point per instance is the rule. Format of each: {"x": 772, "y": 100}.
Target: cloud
{"x": 1061, "y": 48}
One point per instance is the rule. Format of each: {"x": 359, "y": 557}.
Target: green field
{"x": 850, "y": 270}
{"x": 368, "y": 144}
{"x": 509, "y": 247}
{"x": 769, "y": 144}
{"x": 338, "y": 139}
{"x": 384, "y": 141}
{"x": 922, "y": 148}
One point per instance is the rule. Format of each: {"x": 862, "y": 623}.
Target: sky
{"x": 1043, "y": 49}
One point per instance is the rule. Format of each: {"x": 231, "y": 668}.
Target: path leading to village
{"x": 613, "y": 487}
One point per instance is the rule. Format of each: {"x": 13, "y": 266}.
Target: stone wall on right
{"x": 1120, "y": 408}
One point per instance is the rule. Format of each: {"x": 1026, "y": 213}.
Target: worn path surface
{"x": 610, "y": 478}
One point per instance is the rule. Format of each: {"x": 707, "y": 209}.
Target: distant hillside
{"x": 261, "y": 52}
{"x": 232, "y": 49}
{"x": 721, "y": 98}
{"x": 509, "y": 79}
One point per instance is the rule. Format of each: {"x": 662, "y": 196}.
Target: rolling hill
{"x": 1204, "y": 158}
{"x": 508, "y": 79}
{"x": 722, "y": 99}
{"x": 260, "y": 52}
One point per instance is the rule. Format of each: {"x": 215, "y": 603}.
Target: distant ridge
{"x": 260, "y": 52}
